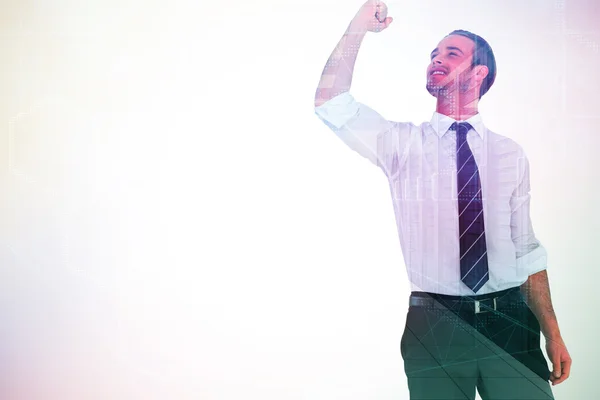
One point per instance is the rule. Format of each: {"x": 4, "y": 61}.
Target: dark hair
{"x": 482, "y": 55}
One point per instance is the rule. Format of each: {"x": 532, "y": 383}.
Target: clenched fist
{"x": 372, "y": 16}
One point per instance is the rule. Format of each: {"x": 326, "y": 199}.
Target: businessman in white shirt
{"x": 480, "y": 295}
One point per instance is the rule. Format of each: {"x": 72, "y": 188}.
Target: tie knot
{"x": 461, "y": 128}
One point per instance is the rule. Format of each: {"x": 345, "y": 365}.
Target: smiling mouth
{"x": 438, "y": 73}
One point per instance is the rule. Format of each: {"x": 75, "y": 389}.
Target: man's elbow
{"x": 321, "y": 97}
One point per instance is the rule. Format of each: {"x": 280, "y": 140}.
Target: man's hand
{"x": 536, "y": 291}
{"x": 560, "y": 358}
{"x": 372, "y": 16}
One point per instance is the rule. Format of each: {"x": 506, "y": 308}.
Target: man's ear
{"x": 481, "y": 71}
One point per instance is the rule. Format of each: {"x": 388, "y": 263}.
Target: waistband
{"x": 447, "y": 297}
{"x": 466, "y": 305}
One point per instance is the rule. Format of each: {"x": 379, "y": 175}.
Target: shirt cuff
{"x": 534, "y": 261}
{"x": 338, "y": 110}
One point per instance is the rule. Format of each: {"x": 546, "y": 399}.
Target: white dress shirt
{"x": 420, "y": 165}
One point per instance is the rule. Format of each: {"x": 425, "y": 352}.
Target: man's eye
{"x": 453, "y": 54}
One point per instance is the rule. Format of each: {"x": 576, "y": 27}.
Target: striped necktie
{"x": 473, "y": 252}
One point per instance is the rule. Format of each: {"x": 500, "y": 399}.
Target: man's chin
{"x": 434, "y": 90}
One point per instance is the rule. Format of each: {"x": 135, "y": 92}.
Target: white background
{"x": 178, "y": 223}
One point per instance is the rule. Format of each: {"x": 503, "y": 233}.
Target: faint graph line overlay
{"x": 584, "y": 38}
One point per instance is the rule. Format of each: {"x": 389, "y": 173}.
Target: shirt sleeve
{"x": 384, "y": 143}
{"x": 531, "y": 255}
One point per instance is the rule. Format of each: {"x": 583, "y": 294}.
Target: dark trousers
{"x": 449, "y": 351}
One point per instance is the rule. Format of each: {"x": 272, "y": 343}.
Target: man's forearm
{"x": 536, "y": 291}
{"x": 337, "y": 74}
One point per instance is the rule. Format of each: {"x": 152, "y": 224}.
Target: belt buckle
{"x": 478, "y": 309}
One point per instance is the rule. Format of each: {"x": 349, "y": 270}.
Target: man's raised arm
{"x": 364, "y": 130}
{"x": 337, "y": 74}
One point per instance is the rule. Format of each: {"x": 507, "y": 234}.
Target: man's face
{"x": 450, "y": 66}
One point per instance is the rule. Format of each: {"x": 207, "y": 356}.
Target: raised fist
{"x": 373, "y": 16}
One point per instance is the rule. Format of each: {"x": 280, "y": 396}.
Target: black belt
{"x": 477, "y": 304}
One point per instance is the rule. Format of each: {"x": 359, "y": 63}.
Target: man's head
{"x": 462, "y": 61}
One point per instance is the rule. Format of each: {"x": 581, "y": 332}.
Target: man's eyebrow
{"x": 454, "y": 48}
{"x": 447, "y": 48}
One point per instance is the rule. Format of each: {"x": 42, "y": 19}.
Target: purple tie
{"x": 473, "y": 252}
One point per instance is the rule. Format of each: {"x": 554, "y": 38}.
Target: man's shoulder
{"x": 404, "y": 127}
{"x": 502, "y": 143}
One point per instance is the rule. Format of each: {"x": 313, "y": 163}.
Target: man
{"x": 480, "y": 293}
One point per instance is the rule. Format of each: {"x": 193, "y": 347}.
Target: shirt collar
{"x": 441, "y": 123}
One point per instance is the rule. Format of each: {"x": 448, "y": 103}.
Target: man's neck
{"x": 459, "y": 107}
